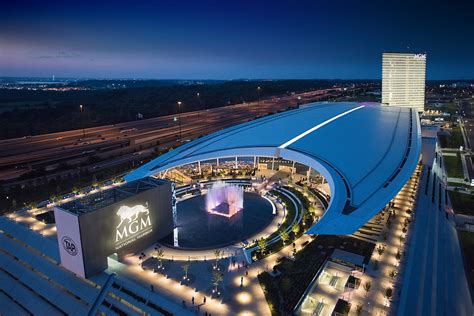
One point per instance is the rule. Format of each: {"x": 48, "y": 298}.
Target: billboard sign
{"x": 134, "y": 223}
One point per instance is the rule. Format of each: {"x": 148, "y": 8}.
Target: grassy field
{"x": 462, "y": 203}
{"x": 467, "y": 245}
{"x": 453, "y": 166}
{"x": 453, "y": 141}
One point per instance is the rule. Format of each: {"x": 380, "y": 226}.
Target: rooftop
{"x": 366, "y": 152}
{"x": 96, "y": 201}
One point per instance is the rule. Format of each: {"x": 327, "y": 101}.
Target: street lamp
{"x": 82, "y": 121}
{"x": 199, "y": 102}
{"x": 258, "y": 100}
{"x": 179, "y": 118}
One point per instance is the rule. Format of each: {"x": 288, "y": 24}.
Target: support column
{"x": 217, "y": 162}
{"x": 273, "y": 163}
{"x": 308, "y": 174}
{"x": 293, "y": 167}
{"x": 255, "y": 161}
{"x": 236, "y": 165}
{"x": 175, "y": 214}
{"x": 199, "y": 167}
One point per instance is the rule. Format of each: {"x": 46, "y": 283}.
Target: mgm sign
{"x": 134, "y": 223}
{"x": 127, "y": 220}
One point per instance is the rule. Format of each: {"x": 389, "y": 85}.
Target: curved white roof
{"x": 366, "y": 152}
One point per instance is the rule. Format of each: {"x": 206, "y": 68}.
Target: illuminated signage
{"x": 134, "y": 223}
{"x": 420, "y": 56}
{"x": 69, "y": 245}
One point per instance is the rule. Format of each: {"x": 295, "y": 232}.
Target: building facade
{"x": 403, "y": 80}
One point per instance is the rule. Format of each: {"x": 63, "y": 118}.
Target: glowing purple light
{"x": 224, "y": 199}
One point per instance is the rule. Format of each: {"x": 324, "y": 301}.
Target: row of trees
{"x": 217, "y": 275}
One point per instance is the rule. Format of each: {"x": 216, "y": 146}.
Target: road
{"x": 119, "y": 143}
{"x": 467, "y": 122}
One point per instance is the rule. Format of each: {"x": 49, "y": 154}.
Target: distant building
{"x": 403, "y": 80}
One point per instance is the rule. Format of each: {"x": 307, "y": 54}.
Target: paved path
{"x": 435, "y": 281}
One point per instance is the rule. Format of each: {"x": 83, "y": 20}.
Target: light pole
{"x": 199, "y": 102}
{"x": 82, "y": 121}
{"x": 179, "y": 118}
{"x": 258, "y": 100}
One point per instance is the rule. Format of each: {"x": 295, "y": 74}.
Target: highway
{"x": 119, "y": 143}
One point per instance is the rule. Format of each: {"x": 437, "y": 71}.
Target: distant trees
{"x": 39, "y": 112}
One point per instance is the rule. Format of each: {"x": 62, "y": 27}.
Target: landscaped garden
{"x": 462, "y": 203}
{"x": 284, "y": 290}
{"x": 453, "y": 166}
{"x": 454, "y": 140}
{"x": 287, "y": 236}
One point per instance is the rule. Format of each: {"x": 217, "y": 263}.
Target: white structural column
{"x": 312, "y": 129}
{"x": 236, "y": 165}
{"x": 199, "y": 166}
{"x": 255, "y": 161}
{"x": 273, "y": 163}
{"x": 308, "y": 174}
{"x": 217, "y": 162}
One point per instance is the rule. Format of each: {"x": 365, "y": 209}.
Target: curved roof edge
{"x": 342, "y": 216}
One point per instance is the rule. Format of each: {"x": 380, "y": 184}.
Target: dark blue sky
{"x": 232, "y": 39}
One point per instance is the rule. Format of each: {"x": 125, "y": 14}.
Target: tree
{"x": 398, "y": 256}
{"x": 401, "y": 239}
{"x": 262, "y": 244}
{"x": 380, "y": 250}
{"x": 359, "y": 309}
{"x": 217, "y": 277}
{"x": 284, "y": 236}
{"x": 388, "y": 293}
{"x": 185, "y": 267}
{"x": 159, "y": 253}
{"x": 367, "y": 286}
{"x": 217, "y": 253}
{"x": 295, "y": 229}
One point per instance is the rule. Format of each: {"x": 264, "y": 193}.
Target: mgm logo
{"x": 69, "y": 245}
{"x": 133, "y": 221}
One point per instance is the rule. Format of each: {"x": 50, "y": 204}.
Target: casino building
{"x": 62, "y": 259}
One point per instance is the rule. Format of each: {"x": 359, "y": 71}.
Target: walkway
{"x": 435, "y": 281}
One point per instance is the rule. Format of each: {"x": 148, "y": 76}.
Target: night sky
{"x": 232, "y": 39}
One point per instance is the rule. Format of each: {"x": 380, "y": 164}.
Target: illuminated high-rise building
{"x": 403, "y": 80}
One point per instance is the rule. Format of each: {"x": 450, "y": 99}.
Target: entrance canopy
{"x": 365, "y": 151}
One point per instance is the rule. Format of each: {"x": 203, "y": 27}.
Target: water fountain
{"x": 224, "y": 199}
